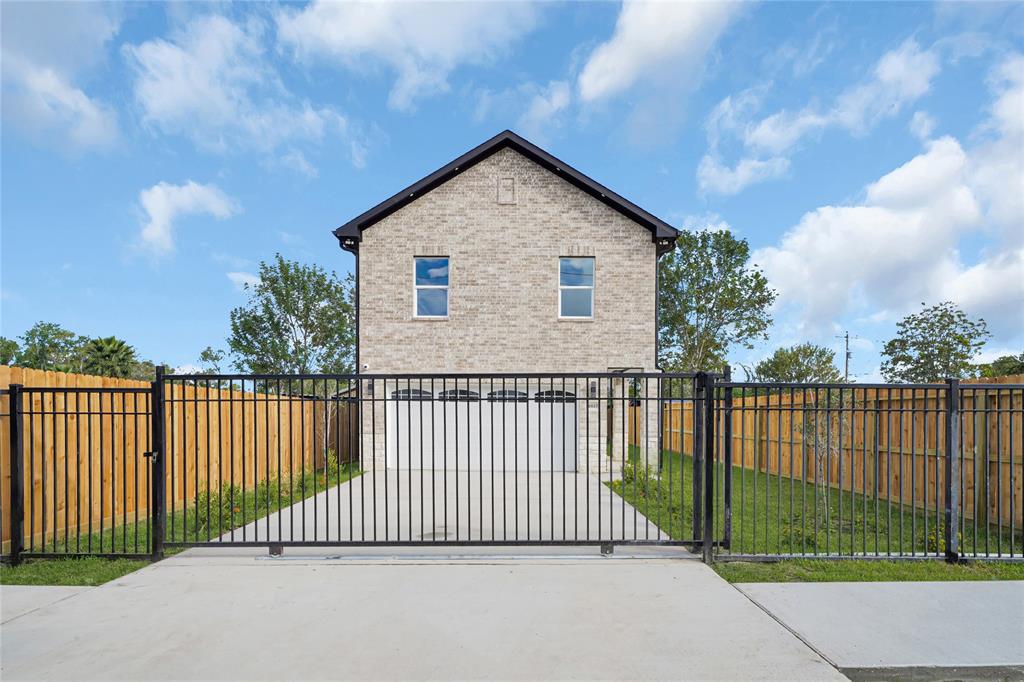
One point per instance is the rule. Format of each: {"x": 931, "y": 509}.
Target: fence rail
{"x": 732, "y": 469}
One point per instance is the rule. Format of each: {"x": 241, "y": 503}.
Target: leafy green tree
{"x": 211, "y": 359}
{"x": 299, "y": 319}
{"x": 711, "y": 299}
{"x": 8, "y": 350}
{"x": 145, "y": 370}
{"x": 1007, "y": 365}
{"x": 934, "y": 344}
{"x": 51, "y": 347}
{"x": 802, "y": 363}
{"x": 108, "y": 357}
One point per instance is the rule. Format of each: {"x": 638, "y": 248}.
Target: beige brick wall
{"x": 503, "y": 287}
{"x": 503, "y": 296}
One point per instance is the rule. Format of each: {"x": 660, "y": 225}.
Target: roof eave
{"x": 660, "y": 230}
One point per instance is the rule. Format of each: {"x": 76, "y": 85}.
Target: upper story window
{"x": 576, "y": 287}
{"x": 430, "y": 287}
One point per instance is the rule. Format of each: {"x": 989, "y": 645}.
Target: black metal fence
{"x": 728, "y": 469}
{"x": 875, "y": 470}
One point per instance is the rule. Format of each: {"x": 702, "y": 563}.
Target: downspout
{"x": 352, "y": 246}
{"x": 663, "y": 247}
{"x": 657, "y": 312}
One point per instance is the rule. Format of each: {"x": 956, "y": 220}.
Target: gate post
{"x": 698, "y": 400}
{"x": 17, "y": 498}
{"x": 727, "y": 457}
{"x": 159, "y": 480}
{"x": 952, "y": 515}
{"x": 709, "y": 468}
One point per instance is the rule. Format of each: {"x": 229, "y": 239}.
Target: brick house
{"x": 507, "y": 260}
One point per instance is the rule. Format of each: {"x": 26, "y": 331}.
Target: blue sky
{"x": 152, "y": 155}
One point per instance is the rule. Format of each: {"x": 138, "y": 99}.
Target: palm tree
{"x": 109, "y": 357}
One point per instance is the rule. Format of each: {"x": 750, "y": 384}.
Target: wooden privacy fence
{"x": 83, "y": 450}
{"x": 888, "y": 442}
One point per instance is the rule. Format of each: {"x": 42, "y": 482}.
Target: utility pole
{"x": 846, "y": 356}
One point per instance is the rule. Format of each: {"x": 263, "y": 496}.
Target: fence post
{"x": 952, "y": 516}
{"x": 709, "y": 468}
{"x": 158, "y": 513}
{"x": 17, "y": 498}
{"x": 727, "y": 457}
{"x": 700, "y": 386}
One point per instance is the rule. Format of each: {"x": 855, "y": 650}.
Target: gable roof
{"x": 662, "y": 234}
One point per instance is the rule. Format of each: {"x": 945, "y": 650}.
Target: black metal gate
{"x": 77, "y": 470}
{"x": 504, "y": 459}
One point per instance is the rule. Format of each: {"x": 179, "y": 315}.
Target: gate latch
{"x": 154, "y": 454}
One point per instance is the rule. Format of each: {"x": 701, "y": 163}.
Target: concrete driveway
{"x": 230, "y": 614}
{"x": 423, "y": 505}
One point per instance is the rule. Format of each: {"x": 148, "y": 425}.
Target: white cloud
{"x": 708, "y": 222}
{"x": 422, "y": 42}
{"x": 903, "y": 244}
{"x": 164, "y": 203}
{"x": 658, "y": 54}
{"x": 545, "y": 105}
{"x": 541, "y": 108}
{"x": 242, "y": 279}
{"x": 716, "y": 176}
{"x": 732, "y": 112}
{"x": 928, "y": 179}
{"x": 297, "y": 161}
{"x": 993, "y": 288}
{"x": 900, "y": 77}
{"x": 988, "y": 355}
{"x": 804, "y": 58}
{"x": 922, "y": 125}
{"x": 46, "y": 49}
{"x": 779, "y": 132}
{"x": 290, "y": 238}
{"x": 656, "y": 42}
{"x": 997, "y": 166}
{"x": 891, "y": 251}
{"x": 212, "y": 83}
{"x": 713, "y": 176}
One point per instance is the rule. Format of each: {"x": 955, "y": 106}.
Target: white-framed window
{"x": 430, "y": 286}
{"x": 576, "y": 287}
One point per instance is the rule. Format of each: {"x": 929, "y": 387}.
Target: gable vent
{"x": 506, "y": 190}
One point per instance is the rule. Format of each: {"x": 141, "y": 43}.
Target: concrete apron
{"x": 240, "y": 617}
{"x": 906, "y": 630}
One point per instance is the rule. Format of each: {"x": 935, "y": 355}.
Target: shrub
{"x": 639, "y": 477}
{"x": 936, "y": 541}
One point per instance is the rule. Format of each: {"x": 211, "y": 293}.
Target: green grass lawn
{"x": 208, "y": 517}
{"x": 854, "y": 570}
{"x": 65, "y": 571}
{"x": 777, "y": 515}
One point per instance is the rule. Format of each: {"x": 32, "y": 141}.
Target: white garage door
{"x": 463, "y": 432}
